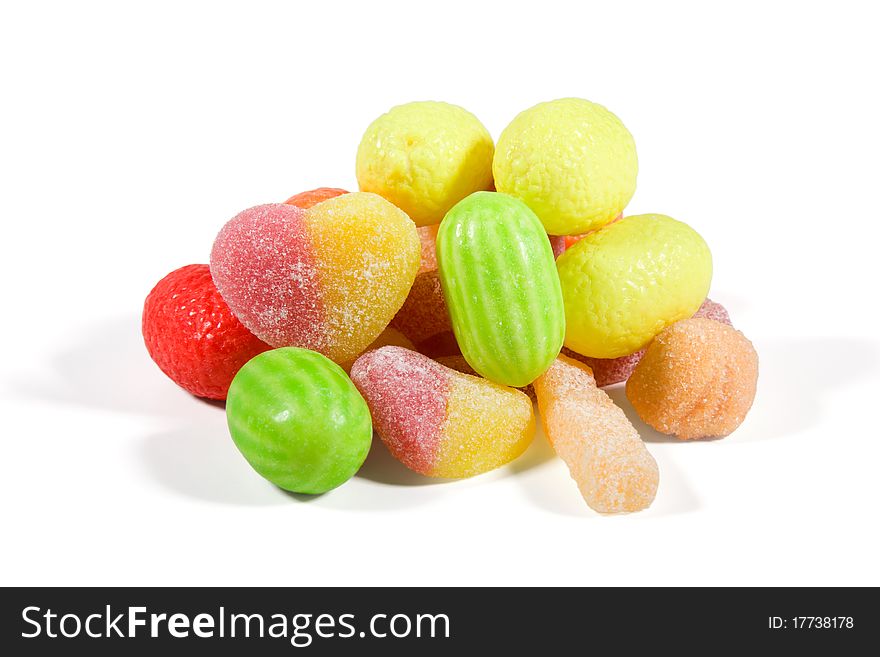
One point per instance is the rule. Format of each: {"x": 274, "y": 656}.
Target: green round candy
{"x": 299, "y": 420}
{"x": 501, "y": 285}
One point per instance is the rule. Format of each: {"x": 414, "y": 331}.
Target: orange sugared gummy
{"x": 697, "y": 379}
{"x": 603, "y": 451}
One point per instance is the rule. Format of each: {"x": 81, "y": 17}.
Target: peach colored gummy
{"x": 697, "y": 379}
{"x": 604, "y": 454}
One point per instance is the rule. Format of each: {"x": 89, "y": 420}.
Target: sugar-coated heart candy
{"x": 329, "y": 278}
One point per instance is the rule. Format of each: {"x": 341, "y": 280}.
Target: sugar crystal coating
{"x": 428, "y": 240}
{"x": 608, "y": 371}
{"x": 713, "y": 310}
{"x": 437, "y": 421}
{"x": 487, "y": 425}
{"x": 697, "y": 379}
{"x": 265, "y": 267}
{"x": 424, "y": 313}
{"x": 603, "y": 451}
{"x": 329, "y": 278}
{"x": 407, "y": 395}
{"x": 368, "y": 255}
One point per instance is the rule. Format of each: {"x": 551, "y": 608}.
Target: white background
{"x": 130, "y": 135}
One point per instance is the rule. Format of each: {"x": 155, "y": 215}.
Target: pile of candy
{"x": 434, "y": 310}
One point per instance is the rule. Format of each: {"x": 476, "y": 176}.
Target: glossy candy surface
{"x": 437, "y": 421}
{"x": 329, "y": 278}
{"x": 298, "y": 420}
{"x": 603, "y": 451}
{"x": 192, "y": 335}
{"x": 500, "y": 284}
{"x": 625, "y": 283}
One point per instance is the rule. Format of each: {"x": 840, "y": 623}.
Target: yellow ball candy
{"x": 425, "y": 157}
{"x": 624, "y": 284}
{"x": 572, "y": 161}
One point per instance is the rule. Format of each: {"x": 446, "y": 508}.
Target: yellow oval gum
{"x": 624, "y": 284}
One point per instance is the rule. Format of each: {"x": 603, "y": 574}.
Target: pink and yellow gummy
{"x": 437, "y": 421}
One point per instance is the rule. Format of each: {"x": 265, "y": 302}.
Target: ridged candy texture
{"x": 329, "y": 278}
{"x": 602, "y": 449}
{"x": 298, "y": 420}
{"x": 501, "y": 286}
{"x": 439, "y": 422}
{"x": 624, "y": 284}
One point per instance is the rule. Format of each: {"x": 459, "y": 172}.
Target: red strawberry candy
{"x": 193, "y": 336}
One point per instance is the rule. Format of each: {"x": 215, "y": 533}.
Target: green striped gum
{"x": 298, "y": 420}
{"x": 500, "y": 281}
